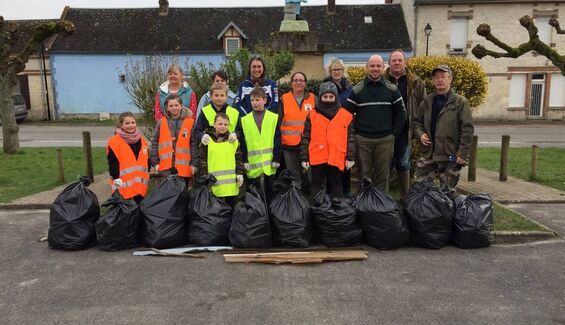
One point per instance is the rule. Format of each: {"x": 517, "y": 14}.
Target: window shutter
{"x": 458, "y": 42}
{"x": 517, "y": 94}
{"x": 557, "y": 91}
{"x": 544, "y": 29}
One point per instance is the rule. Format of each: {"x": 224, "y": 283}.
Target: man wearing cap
{"x": 444, "y": 126}
{"x": 379, "y": 118}
{"x": 413, "y": 92}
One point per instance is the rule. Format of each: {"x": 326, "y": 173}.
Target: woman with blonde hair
{"x": 175, "y": 85}
{"x": 338, "y": 75}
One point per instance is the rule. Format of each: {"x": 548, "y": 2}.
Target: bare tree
{"x": 11, "y": 65}
{"x": 534, "y": 44}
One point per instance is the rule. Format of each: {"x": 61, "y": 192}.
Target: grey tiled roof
{"x": 190, "y": 30}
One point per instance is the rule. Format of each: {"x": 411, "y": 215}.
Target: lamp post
{"x": 428, "y": 32}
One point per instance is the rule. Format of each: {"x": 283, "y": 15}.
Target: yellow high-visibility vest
{"x": 221, "y": 164}
{"x": 210, "y": 114}
{"x": 260, "y": 144}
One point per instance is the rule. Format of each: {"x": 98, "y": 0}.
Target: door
{"x": 536, "y": 97}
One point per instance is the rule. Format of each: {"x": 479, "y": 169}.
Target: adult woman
{"x": 256, "y": 77}
{"x": 218, "y": 77}
{"x": 174, "y": 85}
{"x": 293, "y": 108}
{"x": 338, "y": 75}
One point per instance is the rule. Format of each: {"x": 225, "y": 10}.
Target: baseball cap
{"x": 442, "y": 67}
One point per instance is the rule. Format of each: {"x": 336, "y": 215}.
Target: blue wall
{"x": 90, "y": 83}
{"x": 358, "y": 57}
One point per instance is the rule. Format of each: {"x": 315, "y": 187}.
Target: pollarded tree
{"x": 11, "y": 65}
{"x": 534, "y": 44}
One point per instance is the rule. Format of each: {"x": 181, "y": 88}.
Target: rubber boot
{"x": 404, "y": 184}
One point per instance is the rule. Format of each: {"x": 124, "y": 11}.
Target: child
{"x": 170, "y": 149}
{"x": 128, "y": 155}
{"x": 328, "y": 142}
{"x": 261, "y": 143}
{"x": 219, "y": 95}
{"x": 222, "y": 159}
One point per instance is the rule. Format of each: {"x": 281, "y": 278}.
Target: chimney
{"x": 331, "y": 7}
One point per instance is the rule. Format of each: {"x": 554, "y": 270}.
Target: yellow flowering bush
{"x": 356, "y": 74}
{"x": 469, "y": 78}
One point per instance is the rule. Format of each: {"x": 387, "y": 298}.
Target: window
{"x": 458, "y": 42}
{"x": 557, "y": 91}
{"x": 232, "y": 45}
{"x": 544, "y": 29}
{"x": 517, "y": 95}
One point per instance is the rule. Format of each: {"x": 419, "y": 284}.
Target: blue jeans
{"x": 402, "y": 150}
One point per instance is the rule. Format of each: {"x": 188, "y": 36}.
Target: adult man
{"x": 379, "y": 118}
{"x": 444, "y": 126}
{"x": 413, "y": 92}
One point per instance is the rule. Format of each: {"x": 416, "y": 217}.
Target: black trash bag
{"x": 472, "y": 224}
{"x": 381, "y": 218}
{"x": 72, "y": 217}
{"x": 335, "y": 221}
{"x": 250, "y": 226}
{"x": 164, "y": 214}
{"x": 290, "y": 214}
{"x": 210, "y": 217}
{"x": 119, "y": 228}
{"x": 429, "y": 213}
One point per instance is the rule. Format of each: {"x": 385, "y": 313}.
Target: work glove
{"x": 118, "y": 182}
{"x": 205, "y": 139}
{"x": 239, "y": 180}
{"x": 232, "y": 137}
{"x": 156, "y": 168}
{"x": 275, "y": 164}
{"x": 305, "y": 165}
{"x": 246, "y": 165}
{"x": 349, "y": 164}
{"x": 194, "y": 170}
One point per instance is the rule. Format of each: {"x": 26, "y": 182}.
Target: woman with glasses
{"x": 294, "y": 106}
{"x": 338, "y": 75}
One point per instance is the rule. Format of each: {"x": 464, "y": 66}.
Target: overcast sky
{"x": 40, "y": 9}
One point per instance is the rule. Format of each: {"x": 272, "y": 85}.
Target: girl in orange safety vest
{"x": 128, "y": 154}
{"x": 328, "y": 142}
{"x": 171, "y": 152}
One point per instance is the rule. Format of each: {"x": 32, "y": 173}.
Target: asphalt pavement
{"x": 502, "y": 284}
{"x": 547, "y": 134}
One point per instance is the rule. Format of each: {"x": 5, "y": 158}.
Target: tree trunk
{"x": 9, "y": 126}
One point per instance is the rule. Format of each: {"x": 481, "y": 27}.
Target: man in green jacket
{"x": 444, "y": 126}
{"x": 379, "y": 119}
{"x": 413, "y": 92}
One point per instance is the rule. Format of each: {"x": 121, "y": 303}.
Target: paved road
{"x": 519, "y": 284}
{"x": 521, "y": 135}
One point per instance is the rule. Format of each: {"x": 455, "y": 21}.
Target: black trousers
{"x": 327, "y": 174}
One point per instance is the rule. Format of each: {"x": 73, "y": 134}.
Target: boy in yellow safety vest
{"x": 261, "y": 143}
{"x": 223, "y": 159}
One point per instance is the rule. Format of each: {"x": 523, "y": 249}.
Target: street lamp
{"x": 428, "y": 32}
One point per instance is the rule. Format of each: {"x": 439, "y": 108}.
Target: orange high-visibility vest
{"x": 182, "y": 151}
{"x": 328, "y": 139}
{"x": 134, "y": 173}
{"x": 294, "y": 117}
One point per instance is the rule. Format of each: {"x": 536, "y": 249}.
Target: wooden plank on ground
{"x": 298, "y": 257}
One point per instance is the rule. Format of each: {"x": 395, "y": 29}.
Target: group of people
{"x": 238, "y": 137}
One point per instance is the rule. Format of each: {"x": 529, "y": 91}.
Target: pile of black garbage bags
{"x": 171, "y": 217}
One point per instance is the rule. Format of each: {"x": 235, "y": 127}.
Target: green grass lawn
{"x": 550, "y": 164}
{"x": 33, "y": 170}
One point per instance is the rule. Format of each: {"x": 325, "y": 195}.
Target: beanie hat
{"x": 327, "y": 87}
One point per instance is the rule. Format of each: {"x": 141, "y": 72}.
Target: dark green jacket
{"x": 416, "y": 91}
{"x": 454, "y": 128}
{"x": 378, "y": 108}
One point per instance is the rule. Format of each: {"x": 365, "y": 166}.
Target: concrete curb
{"x": 520, "y": 237}
{"x": 24, "y": 206}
